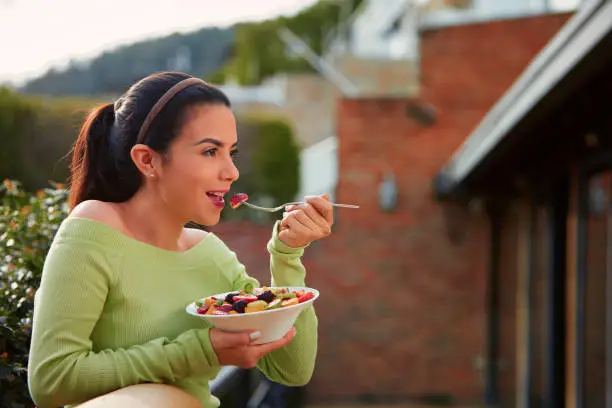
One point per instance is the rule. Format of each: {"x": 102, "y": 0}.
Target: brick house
{"x": 407, "y": 312}
{"x": 540, "y": 161}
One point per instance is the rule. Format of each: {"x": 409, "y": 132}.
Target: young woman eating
{"x": 110, "y": 327}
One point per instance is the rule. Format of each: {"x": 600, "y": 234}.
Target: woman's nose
{"x": 230, "y": 171}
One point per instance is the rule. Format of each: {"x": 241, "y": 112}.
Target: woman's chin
{"x": 208, "y": 220}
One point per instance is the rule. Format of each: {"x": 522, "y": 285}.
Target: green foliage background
{"x": 276, "y": 162}
{"x": 259, "y": 53}
{"x": 28, "y": 223}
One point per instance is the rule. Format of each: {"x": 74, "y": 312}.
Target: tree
{"x": 259, "y": 53}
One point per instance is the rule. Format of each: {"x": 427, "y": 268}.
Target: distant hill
{"x": 247, "y": 53}
{"x": 199, "y": 53}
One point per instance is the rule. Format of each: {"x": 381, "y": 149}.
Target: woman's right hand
{"x": 236, "y": 349}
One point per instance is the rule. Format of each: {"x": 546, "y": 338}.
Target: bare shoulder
{"x": 193, "y": 236}
{"x": 100, "y": 211}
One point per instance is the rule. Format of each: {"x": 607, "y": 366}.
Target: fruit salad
{"x": 250, "y": 300}
{"x": 237, "y": 200}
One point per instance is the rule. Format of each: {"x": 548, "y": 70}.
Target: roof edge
{"x": 563, "y": 52}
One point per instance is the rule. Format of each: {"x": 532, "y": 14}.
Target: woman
{"x": 109, "y": 326}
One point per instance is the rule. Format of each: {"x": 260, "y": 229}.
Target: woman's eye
{"x": 210, "y": 152}
{"x": 233, "y": 153}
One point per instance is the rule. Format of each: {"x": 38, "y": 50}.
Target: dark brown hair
{"x": 102, "y": 168}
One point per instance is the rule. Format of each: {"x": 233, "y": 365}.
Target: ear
{"x": 147, "y": 160}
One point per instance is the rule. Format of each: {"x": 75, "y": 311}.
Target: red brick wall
{"x": 402, "y": 310}
{"x": 424, "y": 336}
{"x": 470, "y": 67}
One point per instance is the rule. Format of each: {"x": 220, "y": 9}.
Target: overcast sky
{"x": 38, "y": 34}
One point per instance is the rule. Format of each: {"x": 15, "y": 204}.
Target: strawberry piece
{"x": 237, "y": 200}
{"x": 305, "y": 297}
{"x": 202, "y": 309}
{"x": 225, "y": 308}
{"x": 247, "y": 299}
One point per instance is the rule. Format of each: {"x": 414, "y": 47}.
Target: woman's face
{"x": 199, "y": 168}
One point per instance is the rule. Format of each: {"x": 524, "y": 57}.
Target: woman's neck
{"x": 148, "y": 219}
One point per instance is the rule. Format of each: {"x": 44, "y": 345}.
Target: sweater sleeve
{"x": 63, "y": 368}
{"x": 292, "y": 365}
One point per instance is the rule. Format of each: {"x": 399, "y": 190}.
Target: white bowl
{"x": 273, "y": 324}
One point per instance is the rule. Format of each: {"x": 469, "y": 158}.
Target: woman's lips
{"x": 216, "y": 198}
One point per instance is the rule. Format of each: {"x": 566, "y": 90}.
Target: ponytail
{"x": 92, "y": 162}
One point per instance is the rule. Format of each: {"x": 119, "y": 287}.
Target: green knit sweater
{"x": 110, "y": 312}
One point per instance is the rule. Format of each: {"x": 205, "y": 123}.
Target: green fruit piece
{"x": 257, "y": 304}
{"x": 288, "y": 295}
{"x": 275, "y": 304}
{"x": 200, "y": 302}
{"x": 248, "y": 288}
{"x": 219, "y": 302}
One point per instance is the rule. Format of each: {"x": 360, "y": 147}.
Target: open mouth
{"x": 217, "y": 198}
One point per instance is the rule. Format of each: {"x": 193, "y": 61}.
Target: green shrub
{"x": 17, "y": 116}
{"x": 28, "y": 224}
{"x": 276, "y": 162}
{"x": 36, "y": 135}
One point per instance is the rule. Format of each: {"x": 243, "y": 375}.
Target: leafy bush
{"x": 16, "y": 118}
{"x": 276, "y": 162}
{"x": 36, "y": 135}
{"x": 28, "y": 224}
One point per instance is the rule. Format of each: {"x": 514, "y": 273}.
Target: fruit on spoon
{"x": 237, "y": 200}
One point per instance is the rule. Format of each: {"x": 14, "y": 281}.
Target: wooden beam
{"x": 522, "y": 303}
{"x": 571, "y": 276}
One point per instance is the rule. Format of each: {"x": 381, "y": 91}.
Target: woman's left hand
{"x": 303, "y": 224}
